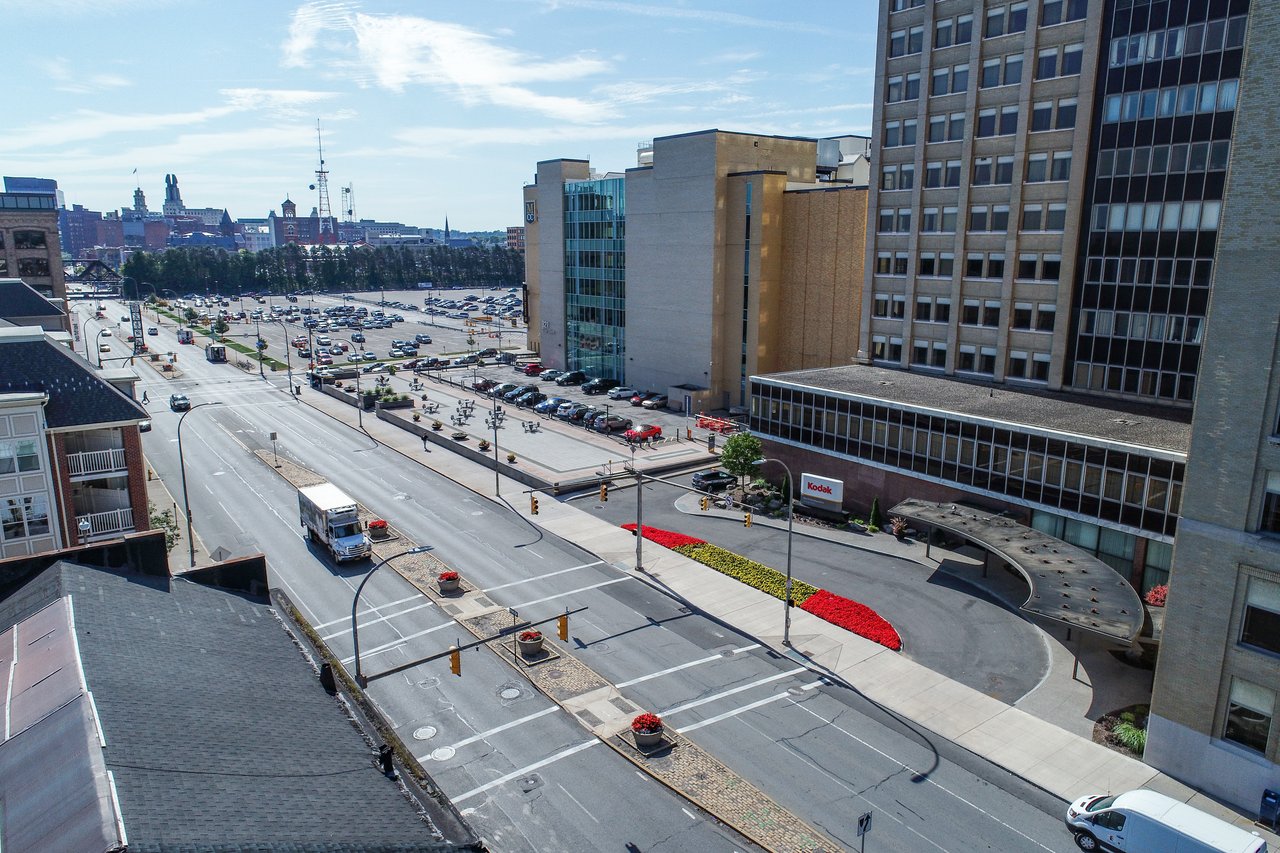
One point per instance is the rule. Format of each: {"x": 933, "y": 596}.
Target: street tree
{"x": 740, "y": 454}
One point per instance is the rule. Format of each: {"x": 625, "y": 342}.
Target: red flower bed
{"x": 448, "y": 576}
{"x": 852, "y": 616}
{"x": 666, "y": 538}
{"x": 1157, "y": 594}
{"x": 646, "y": 723}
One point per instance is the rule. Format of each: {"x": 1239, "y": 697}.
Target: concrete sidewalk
{"x": 1064, "y": 763}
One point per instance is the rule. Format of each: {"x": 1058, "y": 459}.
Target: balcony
{"x": 106, "y": 523}
{"x": 96, "y": 462}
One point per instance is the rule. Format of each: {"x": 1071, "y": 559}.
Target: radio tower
{"x": 321, "y": 186}
{"x": 348, "y": 203}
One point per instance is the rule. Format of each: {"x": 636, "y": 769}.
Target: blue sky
{"x": 427, "y": 108}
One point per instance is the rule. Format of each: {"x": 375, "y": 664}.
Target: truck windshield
{"x": 1100, "y": 803}
{"x": 342, "y": 531}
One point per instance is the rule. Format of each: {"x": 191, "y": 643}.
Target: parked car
{"x": 499, "y": 390}
{"x": 713, "y": 480}
{"x": 324, "y": 358}
{"x": 612, "y": 423}
{"x": 657, "y": 401}
{"x": 593, "y": 414}
{"x": 482, "y": 385}
{"x": 640, "y": 396}
{"x": 549, "y": 405}
{"x": 396, "y": 352}
{"x": 357, "y": 337}
{"x": 568, "y": 410}
{"x": 531, "y": 398}
{"x": 179, "y": 402}
{"x": 531, "y": 369}
{"x": 376, "y": 367}
{"x": 573, "y": 377}
{"x": 582, "y": 411}
{"x": 487, "y": 352}
{"x": 153, "y": 331}
{"x": 622, "y": 392}
{"x": 598, "y": 385}
{"x": 104, "y": 347}
{"x": 369, "y": 356}
{"x": 644, "y": 432}
{"x": 550, "y": 375}
{"x": 518, "y": 391}
{"x": 422, "y": 339}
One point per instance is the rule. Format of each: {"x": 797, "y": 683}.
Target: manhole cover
{"x": 530, "y": 782}
{"x": 554, "y": 673}
{"x": 510, "y": 693}
{"x": 424, "y": 733}
{"x": 444, "y": 753}
{"x": 601, "y": 647}
{"x": 429, "y": 682}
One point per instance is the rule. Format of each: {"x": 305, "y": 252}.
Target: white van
{"x": 1146, "y": 822}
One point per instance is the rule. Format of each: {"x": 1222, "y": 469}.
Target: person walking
{"x": 144, "y": 397}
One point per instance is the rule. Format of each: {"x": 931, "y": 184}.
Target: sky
{"x": 427, "y": 109}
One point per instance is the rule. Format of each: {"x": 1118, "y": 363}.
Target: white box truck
{"x": 1146, "y": 822}
{"x": 333, "y": 519}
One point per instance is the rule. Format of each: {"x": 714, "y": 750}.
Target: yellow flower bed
{"x": 749, "y": 572}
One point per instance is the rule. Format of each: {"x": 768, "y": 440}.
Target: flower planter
{"x": 529, "y": 648}
{"x": 647, "y": 730}
{"x": 647, "y": 740}
{"x": 449, "y": 585}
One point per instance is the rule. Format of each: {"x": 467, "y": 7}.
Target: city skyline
{"x": 423, "y": 115}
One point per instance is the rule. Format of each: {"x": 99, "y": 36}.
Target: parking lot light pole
{"x": 288, "y": 360}
{"x": 355, "y": 603}
{"x": 786, "y": 601}
{"x": 182, "y": 465}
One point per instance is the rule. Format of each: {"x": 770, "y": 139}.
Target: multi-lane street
{"x": 527, "y": 775}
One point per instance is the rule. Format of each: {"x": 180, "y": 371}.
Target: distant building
{"x": 721, "y": 255}
{"x": 515, "y": 237}
{"x": 258, "y": 234}
{"x": 288, "y": 227}
{"x": 29, "y": 244}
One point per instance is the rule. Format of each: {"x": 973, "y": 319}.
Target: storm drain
{"x": 424, "y": 733}
{"x": 510, "y": 693}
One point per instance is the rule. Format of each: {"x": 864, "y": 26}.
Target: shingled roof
{"x": 31, "y": 362}
{"x": 217, "y": 732}
{"x": 19, "y": 300}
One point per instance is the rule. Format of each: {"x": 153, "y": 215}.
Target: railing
{"x": 96, "y": 461}
{"x": 111, "y": 521}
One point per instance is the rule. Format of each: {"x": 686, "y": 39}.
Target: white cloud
{"x": 396, "y": 51}
{"x": 65, "y": 79}
{"x": 284, "y": 101}
{"x": 650, "y": 10}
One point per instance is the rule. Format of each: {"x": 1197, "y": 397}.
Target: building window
{"x": 1261, "y": 624}
{"x": 970, "y": 311}
{"x": 1017, "y": 365}
{"x": 1061, "y": 169}
{"x": 942, "y": 309}
{"x": 880, "y": 305}
{"x": 1045, "y": 317}
{"x": 1040, "y": 367}
{"x": 986, "y": 123}
{"x": 1047, "y": 64}
{"x": 1072, "y": 56}
{"x": 38, "y": 267}
{"x": 1032, "y": 217}
{"x": 1004, "y": 170}
{"x": 1066, "y": 114}
{"x": 1271, "y": 504}
{"x": 29, "y": 240}
{"x": 978, "y": 218}
{"x": 991, "y": 313}
{"x": 1061, "y": 11}
{"x": 899, "y": 307}
{"x": 1008, "y": 120}
{"x": 1041, "y": 116}
{"x": 19, "y": 456}
{"x": 1037, "y": 168}
{"x": 1249, "y": 710}
{"x": 25, "y": 516}
{"x": 1022, "y": 312}
{"x": 987, "y": 360}
{"x": 955, "y": 127}
{"x": 1056, "y": 218}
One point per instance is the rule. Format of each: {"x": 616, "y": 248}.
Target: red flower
{"x": 377, "y": 524}
{"x": 1156, "y": 595}
{"x": 852, "y": 616}
{"x": 665, "y": 538}
{"x": 448, "y": 576}
{"x": 646, "y": 724}
{"x": 530, "y": 636}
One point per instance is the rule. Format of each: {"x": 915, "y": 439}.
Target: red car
{"x": 644, "y": 432}
{"x": 532, "y": 369}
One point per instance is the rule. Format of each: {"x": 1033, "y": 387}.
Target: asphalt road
{"x": 525, "y": 774}
{"x": 945, "y": 623}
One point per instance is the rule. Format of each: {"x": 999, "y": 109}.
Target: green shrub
{"x": 875, "y": 519}
{"x": 1131, "y": 737}
{"x": 750, "y": 572}
{"x": 1128, "y": 717}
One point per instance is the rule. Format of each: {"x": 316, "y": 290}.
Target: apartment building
{"x": 29, "y": 244}
{"x": 1213, "y": 712}
{"x": 720, "y": 255}
{"x": 71, "y": 466}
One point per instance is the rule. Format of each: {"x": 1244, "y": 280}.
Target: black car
{"x": 488, "y": 352}
{"x": 573, "y": 377}
{"x": 531, "y": 398}
{"x": 520, "y": 391}
{"x": 713, "y": 480}
{"x": 598, "y": 386}
{"x": 179, "y": 402}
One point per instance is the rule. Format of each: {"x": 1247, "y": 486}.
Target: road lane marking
{"x": 516, "y": 774}
{"x": 917, "y": 774}
{"x": 374, "y": 609}
{"x": 347, "y": 630}
{"x": 691, "y": 663}
{"x": 575, "y": 801}
{"x": 760, "y": 703}
{"x": 571, "y": 592}
{"x": 740, "y": 689}
{"x": 542, "y": 577}
{"x": 365, "y": 653}
{"x": 495, "y": 730}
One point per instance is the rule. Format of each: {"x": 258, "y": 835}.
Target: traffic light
{"x": 564, "y": 627}
{"x": 455, "y": 660}
{"x": 705, "y": 503}
{"x": 533, "y": 504}
{"x": 746, "y": 519}
{"x": 604, "y": 491}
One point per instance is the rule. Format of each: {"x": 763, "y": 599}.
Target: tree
{"x": 876, "y": 520}
{"x": 220, "y": 326}
{"x": 164, "y": 521}
{"x": 741, "y": 453}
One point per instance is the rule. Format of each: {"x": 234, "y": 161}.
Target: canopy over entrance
{"x": 1067, "y": 584}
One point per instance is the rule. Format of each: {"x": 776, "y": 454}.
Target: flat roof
{"x": 1104, "y": 418}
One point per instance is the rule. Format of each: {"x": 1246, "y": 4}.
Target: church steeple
{"x": 446, "y": 228}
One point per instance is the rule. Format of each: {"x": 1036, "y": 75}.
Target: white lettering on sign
{"x": 821, "y": 490}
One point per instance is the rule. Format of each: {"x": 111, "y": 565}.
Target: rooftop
{"x": 18, "y": 300}
{"x": 1052, "y": 412}
{"x": 77, "y": 396}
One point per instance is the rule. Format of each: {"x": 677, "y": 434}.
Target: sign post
{"x": 864, "y": 828}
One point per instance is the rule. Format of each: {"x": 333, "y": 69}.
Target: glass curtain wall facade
{"x": 1163, "y": 115}
{"x": 1112, "y": 486}
{"x": 595, "y": 277}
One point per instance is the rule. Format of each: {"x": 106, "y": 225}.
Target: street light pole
{"x": 355, "y": 602}
{"x": 257, "y": 330}
{"x": 182, "y": 464}
{"x": 786, "y": 601}
{"x": 84, "y": 335}
{"x": 288, "y": 360}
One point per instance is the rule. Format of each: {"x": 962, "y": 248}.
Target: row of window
{"x": 1064, "y": 61}
{"x": 1214, "y": 96}
{"x": 28, "y": 201}
{"x": 1001, "y": 71}
{"x": 1139, "y": 326}
{"x": 946, "y": 128}
{"x": 1195, "y": 157}
{"x": 984, "y": 218}
{"x": 1178, "y": 41}
{"x": 1127, "y": 487}
{"x": 1001, "y": 20}
{"x": 1179, "y": 272}
{"x": 1161, "y": 384}
{"x": 1157, "y": 216}
{"x": 1031, "y": 266}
